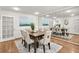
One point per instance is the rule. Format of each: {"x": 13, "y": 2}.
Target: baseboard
{"x": 10, "y": 39}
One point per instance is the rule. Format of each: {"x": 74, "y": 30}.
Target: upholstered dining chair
{"x": 41, "y": 29}
{"x": 27, "y": 39}
{"x": 23, "y": 39}
{"x": 46, "y": 40}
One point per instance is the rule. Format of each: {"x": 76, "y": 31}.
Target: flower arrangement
{"x": 32, "y": 27}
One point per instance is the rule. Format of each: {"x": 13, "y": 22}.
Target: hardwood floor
{"x": 67, "y": 46}
{"x": 10, "y": 46}
{"x": 75, "y": 39}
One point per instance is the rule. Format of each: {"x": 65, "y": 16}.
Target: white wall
{"x": 50, "y": 22}
{"x": 0, "y": 28}
{"x": 73, "y": 26}
{"x": 16, "y": 16}
{"x": 17, "y": 28}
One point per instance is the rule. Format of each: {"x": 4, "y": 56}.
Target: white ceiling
{"x": 58, "y": 11}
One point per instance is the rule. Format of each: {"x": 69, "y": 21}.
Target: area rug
{"x": 54, "y": 48}
{"x": 67, "y": 37}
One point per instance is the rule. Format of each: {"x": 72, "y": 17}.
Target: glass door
{"x": 7, "y": 27}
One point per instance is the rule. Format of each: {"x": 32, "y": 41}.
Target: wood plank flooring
{"x": 67, "y": 46}
{"x": 75, "y": 39}
{"x": 10, "y": 47}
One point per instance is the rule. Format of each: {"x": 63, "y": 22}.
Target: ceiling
{"x": 53, "y": 11}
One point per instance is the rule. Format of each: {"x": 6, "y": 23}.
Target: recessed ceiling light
{"x": 68, "y": 11}
{"x": 72, "y": 14}
{"x": 47, "y": 15}
{"x": 36, "y": 13}
{"x": 54, "y": 17}
{"x": 16, "y": 8}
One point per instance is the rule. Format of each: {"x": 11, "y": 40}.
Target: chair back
{"x": 47, "y": 37}
{"x": 26, "y": 36}
{"x": 28, "y": 39}
{"x": 23, "y": 33}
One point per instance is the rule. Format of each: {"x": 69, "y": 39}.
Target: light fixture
{"x": 47, "y": 15}
{"x": 68, "y": 11}
{"x": 36, "y": 13}
{"x": 16, "y": 8}
{"x": 72, "y": 14}
{"x": 54, "y": 17}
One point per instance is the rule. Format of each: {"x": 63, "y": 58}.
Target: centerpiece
{"x": 32, "y": 27}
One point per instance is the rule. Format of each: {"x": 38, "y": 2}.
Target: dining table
{"x": 36, "y": 36}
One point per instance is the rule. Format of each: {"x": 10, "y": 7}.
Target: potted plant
{"x": 32, "y": 27}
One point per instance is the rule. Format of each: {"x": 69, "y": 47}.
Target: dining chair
{"x": 41, "y": 29}
{"x": 23, "y": 39}
{"x": 59, "y": 32}
{"x": 46, "y": 40}
{"x": 28, "y": 40}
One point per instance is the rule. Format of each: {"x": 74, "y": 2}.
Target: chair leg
{"x": 29, "y": 48}
{"x": 49, "y": 45}
{"x": 44, "y": 48}
{"x": 22, "y": 41}
{"x": 37, "y": 44}
{"x": 25, "y": 44}
{"x": 34, "y": 49}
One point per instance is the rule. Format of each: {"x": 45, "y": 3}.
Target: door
{"x": 7, "y": 27}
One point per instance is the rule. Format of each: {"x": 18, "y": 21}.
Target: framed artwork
{"x": 25, "y": 21}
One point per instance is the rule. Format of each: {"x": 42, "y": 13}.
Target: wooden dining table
{"x": 36, "y": 36}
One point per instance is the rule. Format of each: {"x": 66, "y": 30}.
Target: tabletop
{"x": 39, "y": 33}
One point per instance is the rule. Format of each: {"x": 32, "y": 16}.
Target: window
{"x": 7, "y": 27}
{"x": 44, "y": 22}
